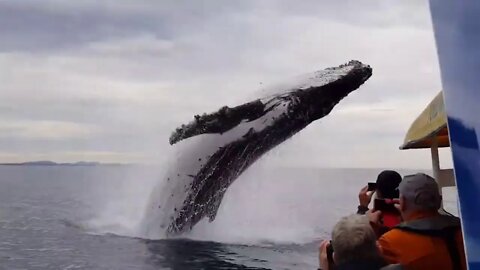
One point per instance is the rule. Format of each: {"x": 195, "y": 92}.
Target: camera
{"x": 384, "y": 206}
{"x": 372, "y": 186}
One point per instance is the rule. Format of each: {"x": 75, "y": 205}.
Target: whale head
{"x": 318, "y": 93}
{"x": 308, "y": 97}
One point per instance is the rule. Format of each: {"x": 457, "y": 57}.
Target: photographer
{"x": 426, "y": 239}
{"x": 353, "y": 247}
{"x": 386, "y": 190}
{"x": 386, "y": 187}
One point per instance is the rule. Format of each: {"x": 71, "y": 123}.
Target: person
{"x": 354, "y": 247}
{"x": 387, "y": 188}
{"x": 426, "y": 239}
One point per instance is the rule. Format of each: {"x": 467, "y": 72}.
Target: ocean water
{"x": 73, "y": 217}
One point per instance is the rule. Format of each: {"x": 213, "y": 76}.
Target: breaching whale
{"x": 223, "y": 144}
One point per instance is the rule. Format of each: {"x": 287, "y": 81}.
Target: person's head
{"x": 387, "y": 184}
{"x": 353, "y": 239}
{"x": 419, "y": 193}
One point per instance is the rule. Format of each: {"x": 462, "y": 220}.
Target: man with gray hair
{"x": 354, "y": 246}
{"x": 426, "y": 239}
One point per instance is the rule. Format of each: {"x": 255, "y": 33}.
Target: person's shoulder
{"x": 392, "y": 235}
{"x": 392, "y": 267}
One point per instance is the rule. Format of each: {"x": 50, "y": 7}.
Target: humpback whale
{"x": 223, "y": 144}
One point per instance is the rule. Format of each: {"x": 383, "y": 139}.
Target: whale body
{"x": 223, "y": 144}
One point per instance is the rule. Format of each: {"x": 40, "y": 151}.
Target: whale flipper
{"x": 220, "y": 121}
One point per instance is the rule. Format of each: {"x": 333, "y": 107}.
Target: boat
{"x": 456, "y": 28}
{"x": 430, "y": 131}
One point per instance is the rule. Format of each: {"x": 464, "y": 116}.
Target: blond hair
{"x": 354, "y": 239}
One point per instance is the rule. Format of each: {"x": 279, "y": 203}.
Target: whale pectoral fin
{"x": 213, "y": 208}
{"x": 219, "y": 122}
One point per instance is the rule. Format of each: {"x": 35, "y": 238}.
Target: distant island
{"x": 52, "y": 163}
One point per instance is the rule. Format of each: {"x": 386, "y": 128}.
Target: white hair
{"x": 354, "y": 239}
{"x": 420, "y": 193}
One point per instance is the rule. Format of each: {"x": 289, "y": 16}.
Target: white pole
{"x": 436, "y": 163}
{"x": 435, "y": 159}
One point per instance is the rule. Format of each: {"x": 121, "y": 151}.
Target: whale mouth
{"x": 245, "y": 132}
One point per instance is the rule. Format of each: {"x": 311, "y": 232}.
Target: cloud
{"x": 46, "y": 130}
{"x": 147, "y": 45}
{"x": 118, "y": 77}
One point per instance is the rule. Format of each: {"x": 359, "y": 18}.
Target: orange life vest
{"x": 434, "y": 242}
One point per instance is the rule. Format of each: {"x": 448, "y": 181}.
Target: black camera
{"x": 372, "y": 186}
{"x": 382, "y": 205}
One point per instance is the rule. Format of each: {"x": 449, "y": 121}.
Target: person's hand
{"x": 374, "y": 216}
{"x": 322, "y": 255}
{"x": 365, "y": 196}
{"x": 396, "y": 203}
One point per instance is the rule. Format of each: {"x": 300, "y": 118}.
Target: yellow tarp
{"x": 431, "y": 123}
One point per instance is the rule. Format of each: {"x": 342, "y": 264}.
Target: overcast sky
{"x": 109, "y": 80}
